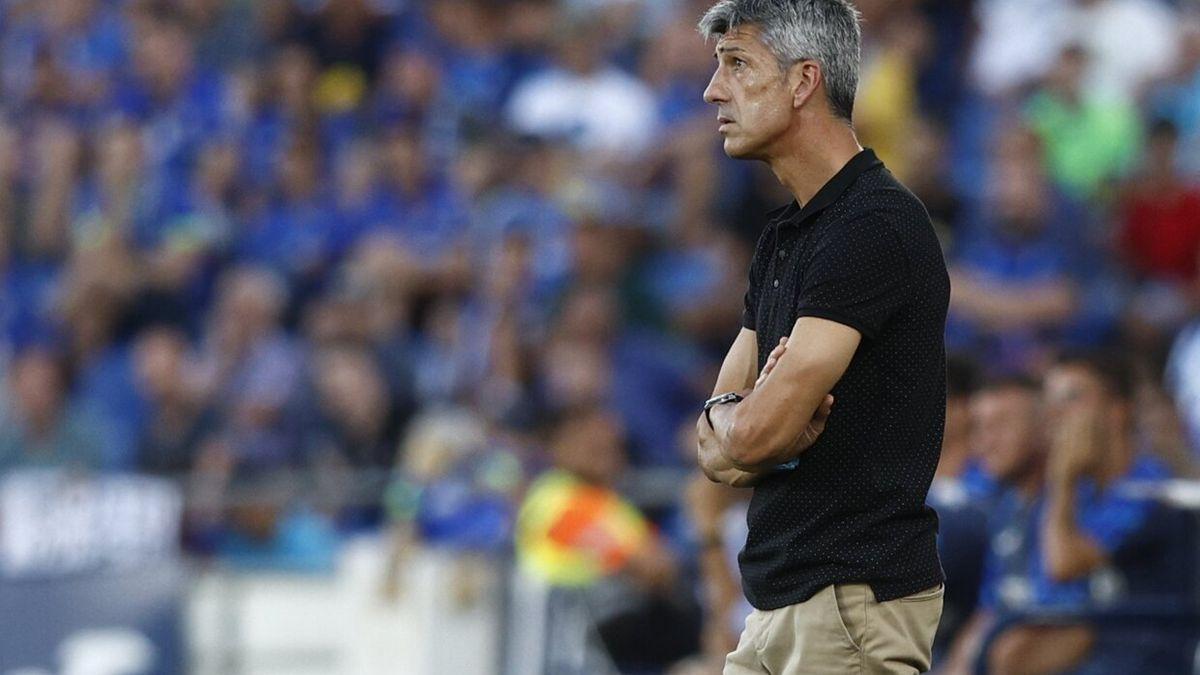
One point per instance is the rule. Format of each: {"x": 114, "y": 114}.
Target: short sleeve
{"x": 1112, "y": 520}
{"x": 750, "y": 301}
{"x": 859, "y": 276}
{"x": 750, "y": 308}
{"x": 1110, "y": 517}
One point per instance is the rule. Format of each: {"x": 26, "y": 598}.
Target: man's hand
{"x": 713, "y": 462}
{"x": 772, "y": 359}
{"x": 1078, "y": 447}
{"x": 715, "y": 465}
{"x": 814, "y": 429}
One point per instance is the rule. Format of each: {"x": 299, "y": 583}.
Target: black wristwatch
{"x": 727, "y": 397}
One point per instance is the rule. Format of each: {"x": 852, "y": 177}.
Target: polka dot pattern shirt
{"x": 863, "y": 253}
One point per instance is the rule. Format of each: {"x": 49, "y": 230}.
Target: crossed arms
{"x": 786, "y": 405}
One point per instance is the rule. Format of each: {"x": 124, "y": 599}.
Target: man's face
{"x": 1004, "y": 430}
{"x": 1071, "y": 390}
{"x": 37, "y": 386}
{"x": 751, "y": 92}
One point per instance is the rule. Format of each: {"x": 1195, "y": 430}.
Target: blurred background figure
{"x": 40, "y": 426}
{"x": 385, "y": 316}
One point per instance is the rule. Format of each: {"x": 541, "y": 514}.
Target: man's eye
{"x": 738, "y": 63}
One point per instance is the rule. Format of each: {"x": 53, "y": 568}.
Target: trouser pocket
{"x": 850, "y": 611}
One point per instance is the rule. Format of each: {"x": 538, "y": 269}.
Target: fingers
{"x": 772, "y": 360}
{"x": 773, "y": 357}
{"x": 821, "y": 416}
{"x": 779, "y": 348}
{"x": 825, "y": 408}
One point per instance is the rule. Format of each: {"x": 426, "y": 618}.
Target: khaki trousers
{"x": 841, "y": 630}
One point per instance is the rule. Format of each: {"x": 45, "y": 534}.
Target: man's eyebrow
{"x": 721, "y": 49}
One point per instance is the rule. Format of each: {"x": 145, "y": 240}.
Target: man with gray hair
{"x": 831, "y": 401}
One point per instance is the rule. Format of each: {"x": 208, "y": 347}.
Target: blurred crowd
{"x": 346, "y": 264}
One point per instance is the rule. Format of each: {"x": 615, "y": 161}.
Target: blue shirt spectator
{"x": 1026, "y": 240}
{"x": 1015, "y": 577}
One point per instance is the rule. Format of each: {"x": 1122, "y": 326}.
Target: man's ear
{"x": 804, "y": 77}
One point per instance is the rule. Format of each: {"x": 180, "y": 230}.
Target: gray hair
{"x": 826, "y": 31}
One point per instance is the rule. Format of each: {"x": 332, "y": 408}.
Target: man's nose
{"x": 714, "y": 93}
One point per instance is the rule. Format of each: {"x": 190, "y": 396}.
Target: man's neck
{"x": 810, "y": 160}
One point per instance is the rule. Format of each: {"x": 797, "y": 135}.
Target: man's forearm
{"x": 1069, "y": 552}
{"x": 723, "y": 430}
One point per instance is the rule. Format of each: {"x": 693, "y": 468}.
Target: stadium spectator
{"x": 175, "y": 102}
{"x": 886, "y": 107}
{"x": 353, "y": 421}
{"x": 251, "y": 370}
{"x": 178, "y": 415}
{"x": 583, "y": 100}
{"x": 455, "y": 488}
{"x": 40, "y": 426}
{"x": 192, "y": 230}
{"x": 292, "y": 235}
{"x": 1054, "y": 537}
{"x": 960, "y": 493}
{"x": 1015, "y": 264}
{"x": 1160, "y": 241}
{"x": 422, "y": 206}
{"x": 1004, "y": 433}
{"x": 1090, "y": 139}
{"x": 575, "y": 530}
{"x": 1176, "y": 97}
{"x": 604, "y": 533}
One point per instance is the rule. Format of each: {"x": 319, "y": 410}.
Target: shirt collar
{"x": 794, "y": 214}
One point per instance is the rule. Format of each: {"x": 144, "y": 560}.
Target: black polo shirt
{"x": 863, "y": 253}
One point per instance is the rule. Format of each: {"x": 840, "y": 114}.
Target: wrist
{"x": 718, "y": 400}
